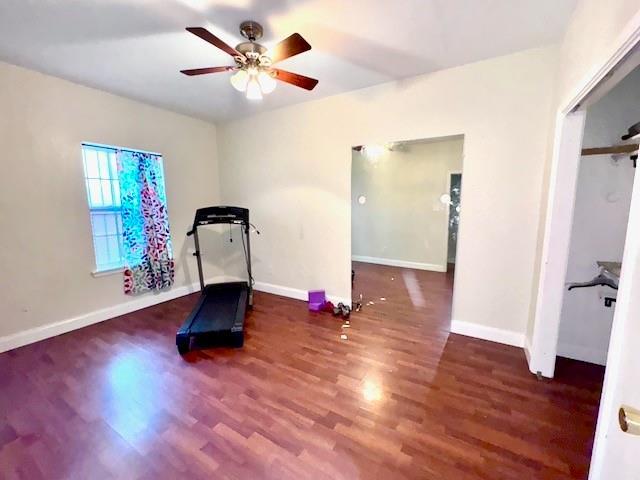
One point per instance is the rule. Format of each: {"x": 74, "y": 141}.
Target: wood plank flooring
{"x": 398, "y": 398}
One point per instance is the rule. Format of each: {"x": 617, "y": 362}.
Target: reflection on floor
{"x": 405, "y": 291}
{"x": 400, "y": 398}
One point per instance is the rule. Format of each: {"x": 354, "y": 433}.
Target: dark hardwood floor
{"x": 398, "y": 398}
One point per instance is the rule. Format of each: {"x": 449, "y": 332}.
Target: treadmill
{"x": 218, "y": 317}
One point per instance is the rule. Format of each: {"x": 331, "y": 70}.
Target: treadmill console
{"x": 220, "y": 214}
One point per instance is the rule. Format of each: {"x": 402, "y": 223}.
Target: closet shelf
{"x": 613, "y": 150}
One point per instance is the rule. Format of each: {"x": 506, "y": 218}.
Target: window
{"x": 103, "y": 194}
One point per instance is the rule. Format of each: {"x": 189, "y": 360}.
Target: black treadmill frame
{"x": 222, "y": 215}
{"x": 235, "y": 336}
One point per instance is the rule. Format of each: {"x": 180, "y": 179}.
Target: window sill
{"x": 106, "y": 273}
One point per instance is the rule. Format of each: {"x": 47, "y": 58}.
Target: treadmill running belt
{"x": 217, "y": 319}
{"x": 218, "y": 310}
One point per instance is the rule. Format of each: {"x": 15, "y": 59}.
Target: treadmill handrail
{"x": 223, "y": 215}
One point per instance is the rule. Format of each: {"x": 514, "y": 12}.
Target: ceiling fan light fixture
{"x": 239, "y": 80}
{"x": 267, "y": 82}
{"x": 253, "y": 72}
{"x": 253, "y": 89}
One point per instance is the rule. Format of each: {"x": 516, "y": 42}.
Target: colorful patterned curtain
{"x": 147, "y": 242}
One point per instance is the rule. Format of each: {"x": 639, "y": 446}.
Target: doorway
{"x": 406, "y": 204}
{"x": 605, "y": 180}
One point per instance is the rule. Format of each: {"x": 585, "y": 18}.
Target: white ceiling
{"x": 137, "y": 47}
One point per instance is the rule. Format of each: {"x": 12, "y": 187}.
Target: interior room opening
{"x": 405, "y": 217}
{"x": 601, "y": 215}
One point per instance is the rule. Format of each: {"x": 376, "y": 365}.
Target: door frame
{"x": 541, "y": 347}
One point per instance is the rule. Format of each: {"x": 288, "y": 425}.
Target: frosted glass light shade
{"x": 267, "y": 82}
{"x": 253, "y": 90}
{"x": 239, "y": 80}
{"x": 374, "y": 151}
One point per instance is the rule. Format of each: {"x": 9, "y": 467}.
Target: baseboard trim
{"x": 527, "y": 351}
{"x": 583, "y": 354}
{"x": 20, "y": 339}
{"x": 498, "y": 335}
{"x": 36, "y": 334}
{"x": 432, "y": 267}
{"x": 295, "y": 293}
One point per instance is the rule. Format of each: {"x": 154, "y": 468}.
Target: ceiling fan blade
{"x": 296, "y": 79}
{"x": 290, "y": 46}
{"x": 207, "y": 36}
{"x": 203, "y": 71}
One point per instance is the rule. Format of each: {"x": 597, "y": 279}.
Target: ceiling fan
{"x": 254, "y": 71}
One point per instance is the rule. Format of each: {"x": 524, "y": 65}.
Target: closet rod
{"x": 613, "y": 150}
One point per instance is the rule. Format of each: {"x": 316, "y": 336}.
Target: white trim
{"x": 106, "y": 273}
{"x": 498, "y": 335}
{"x": 556, "y": 242}
{"x": 399, "y": 263}
{"x": 288, "y": 292}
{"x": 19, "y": 339}
{"x": 583, "y": 354}
{"x": 527, "y": 351}
{"x": 116, "y": 147}
{"x": 295, "y": 293}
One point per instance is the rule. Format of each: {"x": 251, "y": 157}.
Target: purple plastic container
{"x": 316, "y": 300}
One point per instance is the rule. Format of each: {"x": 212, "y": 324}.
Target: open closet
{"x": 601, "y": 214}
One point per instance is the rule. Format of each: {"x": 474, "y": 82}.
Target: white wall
{"x": 291, "y": 167}
{"x": 46, "y": 251}
{"x": 591, "y": 35}
{"x": 403, "y": 219}
{"x": 600, "y": 222}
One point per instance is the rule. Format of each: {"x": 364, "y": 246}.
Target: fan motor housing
{"x": 247, "y": 47}
{"x": 251, "y": 30}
